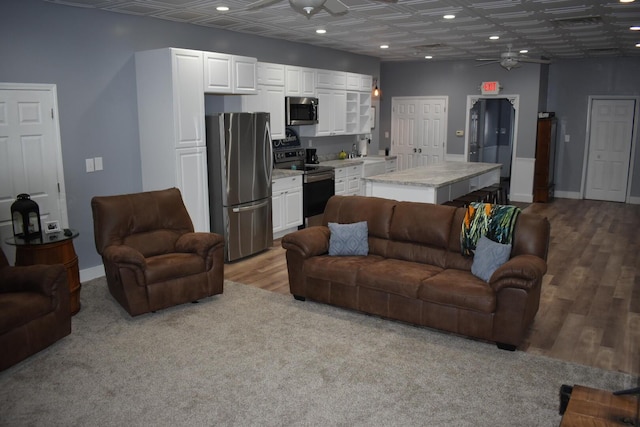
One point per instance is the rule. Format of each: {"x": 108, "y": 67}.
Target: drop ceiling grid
{"x": 410, "y": 24}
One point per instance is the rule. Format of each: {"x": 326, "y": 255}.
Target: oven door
{"x": 318, "y": 189}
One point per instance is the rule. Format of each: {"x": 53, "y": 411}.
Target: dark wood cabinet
{"x": 543, "y": 177}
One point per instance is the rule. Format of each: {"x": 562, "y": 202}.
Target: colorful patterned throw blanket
{"x": 486, "y": 219}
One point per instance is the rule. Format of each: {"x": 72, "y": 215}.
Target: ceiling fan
{"x": 510, "y": 59}
{"x": 311, "y": 7}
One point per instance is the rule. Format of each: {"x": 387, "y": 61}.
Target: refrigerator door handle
{"x": 269, "y": 154}
{"x": 250, "y": 208}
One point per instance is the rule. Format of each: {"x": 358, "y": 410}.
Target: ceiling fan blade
{"x": 536, "y": 61}
{"x": 335, "y": 7}
{"x": 261, "y": 3}
{"x": 489, "y": 61}
{"x": 387, "y": 1}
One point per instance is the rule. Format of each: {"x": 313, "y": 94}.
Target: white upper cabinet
{"x": 270, "y": 74}
{"x": 300, "y": 81}
{"x": 188, "y": 97}
{"x": 229, "y": 74}
{"x": 359, "y": 82}
{"x": 328, "y": 79}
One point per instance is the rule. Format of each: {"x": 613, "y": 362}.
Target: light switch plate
{"x": 90, "y": 165}
{"x": 98, "y": 163}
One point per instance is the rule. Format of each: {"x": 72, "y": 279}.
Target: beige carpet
{"x": 252, "y": 357}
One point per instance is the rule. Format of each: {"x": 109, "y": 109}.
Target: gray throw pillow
{"x": 349, "y": 239}
{"x": 488, "y": 256}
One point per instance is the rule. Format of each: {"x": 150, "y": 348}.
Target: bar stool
{"x": 487, "y": 196}
{"x": 455, "y": 203}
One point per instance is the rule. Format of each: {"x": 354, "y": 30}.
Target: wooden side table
{"x": 599, "y": 408}
{"x": 54, "y": 248}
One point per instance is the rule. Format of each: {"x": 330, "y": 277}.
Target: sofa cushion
{"x": 459, "y": 289}
{"x": 348, "y": 209}
{"x": 396, "y": 277}
{"x": 19, "y": 308}
{"x": 172, "y": 266}
{"x": 488, "y": 256}
{"x": 348, "y": 239}
{"x": 338, "y": 269}
{"x": 422, "y": 223}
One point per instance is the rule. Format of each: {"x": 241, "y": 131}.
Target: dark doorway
{"x": 491, "y": 134}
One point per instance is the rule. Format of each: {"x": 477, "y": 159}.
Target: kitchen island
{"x": 436, "y": 183}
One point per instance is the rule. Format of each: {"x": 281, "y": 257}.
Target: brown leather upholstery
{"x": 34, "y": 309}
{"x": 415, "y": 271}
{"x": 152, "y": 257}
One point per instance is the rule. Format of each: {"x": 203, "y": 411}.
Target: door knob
{"x": 415, "y": 150}
{"x": 419, "y": 150}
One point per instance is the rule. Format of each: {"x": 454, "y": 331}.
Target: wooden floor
{"x": 590, "y": 306}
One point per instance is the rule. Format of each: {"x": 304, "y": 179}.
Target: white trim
{"x": 634, "y": 200}
{"x": 454, "y": 157}
{"x": 92, "y": 273}
{"x": 520, "y": 188}
{"x": 634, "y": 136}
{"x": 567, "y": 195}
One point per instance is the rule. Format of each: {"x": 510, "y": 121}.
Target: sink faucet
{"x": 354, "y": 151}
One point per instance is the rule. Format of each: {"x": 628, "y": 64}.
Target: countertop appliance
{"x": 240, "y": 163}
{"x": 318, "y": 183}
{"x": 312, "y": 157}
{"x": 300, "y": 110}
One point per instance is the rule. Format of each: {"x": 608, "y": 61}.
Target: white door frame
{"x": 634, "y": 137}
{"x": 52, "y": 89}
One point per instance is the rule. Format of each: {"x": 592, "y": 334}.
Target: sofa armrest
{"x": 40, "y": 278}
{"x": 522, "y": 271}
{"x": 308, "y": 242}
{"x": 199, "y": 242}
{"x": 121, "y": 254}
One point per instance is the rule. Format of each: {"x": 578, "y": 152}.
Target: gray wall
{"x": 89, "y": 55}
{"x": 570, "y": 85}
{"x": 562, "y": 87}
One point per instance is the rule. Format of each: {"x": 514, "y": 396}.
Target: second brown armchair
{"x": 152, "y": 257}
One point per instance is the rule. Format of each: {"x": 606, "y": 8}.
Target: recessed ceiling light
{"x": 494, "y": 37}
{"x": 635, "y": 28}
{"x": 222, "y": 9}
{"x": 321, "y": 31}
{"x": 627, "y": 1}
{"x": 524, "y": 51}
{"x": 384, "y": 46}
{"x": 450, "y": 16}
{"x": 637, "y": 44}
{"x": 428, "y": 57}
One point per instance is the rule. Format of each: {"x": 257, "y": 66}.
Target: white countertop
{"x": 283, "y": 173}
{"x": 436, "y": 175}
{"x": 355, "y": 161}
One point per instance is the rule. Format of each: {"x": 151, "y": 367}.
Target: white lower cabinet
{"x": 286, "y": 203}
{"x": 348, "y": 180}
{"x": 191, "y": 179}
{"x": 391, "y": 165}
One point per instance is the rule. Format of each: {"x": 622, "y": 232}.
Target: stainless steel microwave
{"x": 301, "y": 110}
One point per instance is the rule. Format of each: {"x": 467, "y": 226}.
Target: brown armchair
{"x": 152, "y": 257}
{"x": 34, "y": 309}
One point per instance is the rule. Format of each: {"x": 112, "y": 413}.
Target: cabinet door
{"x": 353, "y": 185}
{"x": 293, "y": 204}
{"x": 191, "y": 179}
{"x": 341, "y": 186}
{"x": 353, "y": 81}
{"x": 325, "y": 112}
{"x": 277, "y": 211}
{"x": 274, "y": 104}
{"x": 366, "y": 83}
{"x": 244, "y": 74}
{"x": 339, "y": 112}
{"x": 188, "y": 98}
{"x": 308, "y": 81}
{"x": 218, "y": 69}
{"x": 293, "y": 81}
{"x": 270, "y": 74}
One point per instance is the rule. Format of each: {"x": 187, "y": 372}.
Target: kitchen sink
{"x": 373, "y": 166}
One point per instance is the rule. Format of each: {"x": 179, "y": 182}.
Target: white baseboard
{"x": 91, "y": 273}
{"x": 521, "y": 198}
{"x": 567, "y": 194}
{"x": 634, "y": 200}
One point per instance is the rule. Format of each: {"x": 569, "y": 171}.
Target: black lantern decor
{"x": 25, "y": 215}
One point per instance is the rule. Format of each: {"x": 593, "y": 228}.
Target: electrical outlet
{"x": 567, "y": 138}
{"x": 310, "y": 143}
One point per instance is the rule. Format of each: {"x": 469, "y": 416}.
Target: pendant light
{"x": 376, "y": 91}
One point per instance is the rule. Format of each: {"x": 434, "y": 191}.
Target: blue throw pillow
{"x": 488, "y": 256}
{"x": 349, "y": 239}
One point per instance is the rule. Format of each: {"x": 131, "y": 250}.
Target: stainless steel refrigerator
{"x": 240, "y": 163}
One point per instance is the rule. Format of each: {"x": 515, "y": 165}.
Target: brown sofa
{"x": 34, "y": 309}
{"x": 152, "y": 257}
{"x": 415, "y": 271}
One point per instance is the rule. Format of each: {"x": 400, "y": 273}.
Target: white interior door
{"x": 418, "y": 128}
{"x": 30, "y": 154}
{"x": 610, "y": 136}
